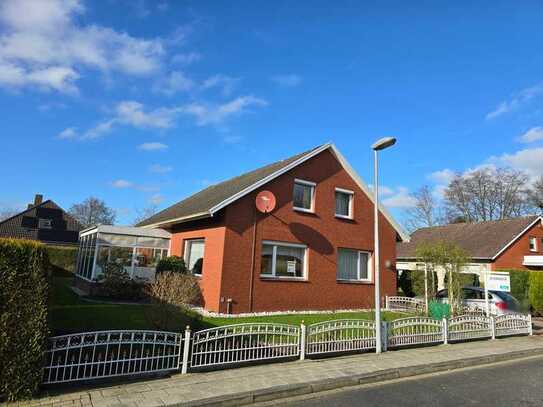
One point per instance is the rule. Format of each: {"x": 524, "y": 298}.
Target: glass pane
{"x": 342, "y": 203}
{"x": 195, "y": 255}
{"x": 347, "y": 264}
{"x": 364, "y": 261}
{"x": 121, "y": 255}
{"x": 302, "y": 196}
{"x": 266, "y": 260}
{"x": 289, "y": 261}
{"x": 144, "y": 257}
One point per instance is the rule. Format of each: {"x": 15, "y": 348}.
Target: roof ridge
{"x": 479, "y": 223}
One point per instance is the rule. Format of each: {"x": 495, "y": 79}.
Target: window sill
{"x": 359, "y": 282}
{"x": 343, "y": 217}
{"x": 303, "y": 210}
{"x": 292, "y": 279}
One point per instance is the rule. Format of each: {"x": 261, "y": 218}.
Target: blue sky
{"x": 140, "y": 102}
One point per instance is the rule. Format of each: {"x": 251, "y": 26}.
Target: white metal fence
{"x": 340, "y": 336}
{"x": 396, "y": 303}
{"x": 244, "y": 343}
{"x": 94, "y": 355}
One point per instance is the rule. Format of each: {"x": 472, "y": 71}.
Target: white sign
{"x": 291, "y": 266}
{"x": 498, "y": 281}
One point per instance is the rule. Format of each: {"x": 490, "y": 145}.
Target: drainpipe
{"x": 253, "y": 255}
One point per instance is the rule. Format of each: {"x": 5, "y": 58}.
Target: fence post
{"x": 302, "y": 340}
{"x": 186, "y": 348}
{"x": 530, "y": 329}
{"x": 493, "y": 326}
{"x": 384, "y": 336}
{"x": 386, "y": 302}
{"x": 445, "y": 331}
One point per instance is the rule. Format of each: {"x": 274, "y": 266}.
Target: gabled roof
{"x": 482, "y": 240}
{"x": 214, "y": 198}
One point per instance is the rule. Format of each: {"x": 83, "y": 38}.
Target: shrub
{"x": 23, "y": 316}
{"x": 62, "y": 259}
{"x": 170, "y": 294}
{"x": 117, "y": 284}
{"x": 520, "y": 280}
{"x": 171, "y": 263}
{"x": 535, "y": 291}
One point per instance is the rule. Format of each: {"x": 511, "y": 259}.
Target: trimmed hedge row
{"x": 23, "y": 316}
{"x": 62, "y": 258}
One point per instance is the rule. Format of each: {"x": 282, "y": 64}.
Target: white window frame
{"x": 186, "y": 252}
{"x": 273, "y": 276}
{"x": 534, "y": 240}
{"x": 370, "y": 267}
{"x": 351, "y": 201}
{"x": 45, "y": 223}
{"x": 313, "y": 191}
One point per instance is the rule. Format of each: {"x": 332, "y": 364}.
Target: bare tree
{"x": 92, "y": 211}
{"x": 7, "y": 213}
{"x": 142, "y": 214}
{"x": 487, "y": 194}
{"x": 426, "y": 212}
{"x": 536, "y": 194}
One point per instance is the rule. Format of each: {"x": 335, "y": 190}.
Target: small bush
{"x": 23, "y": 316}
{"x": 171, "y": 293}
{"x": 520, "y": 282}
{"x": 62, "y": 259}
{"x": 117, "y": 284}
{"x": 171, "y": 263}
{"x": 535, "y": 291}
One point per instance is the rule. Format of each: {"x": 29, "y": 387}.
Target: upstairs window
{"x": 353, "y": 265}
{"x": 533, "y": 244}
{"x": 344, "y": 203}
{"x": 45, "y": 224}
{"x": 194, "y": 255}
{"x": 304, "y": 195}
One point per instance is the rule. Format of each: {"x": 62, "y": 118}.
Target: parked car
{"x": 474, "y": 300}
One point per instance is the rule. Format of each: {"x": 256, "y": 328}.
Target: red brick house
{"x": 495, "y": 245}
{"x": 312, "y": 252}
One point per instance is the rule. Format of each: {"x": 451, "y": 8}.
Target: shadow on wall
{"x": 313, "y": 238}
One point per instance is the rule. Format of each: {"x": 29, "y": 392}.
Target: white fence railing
{"x": 396, "y": 303}
{"x": 340, "y": 336}
{"x": 244, "y": 343}
{"x": 94, "y": 355}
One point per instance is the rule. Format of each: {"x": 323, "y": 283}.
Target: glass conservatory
{"x": 137, "y": 249}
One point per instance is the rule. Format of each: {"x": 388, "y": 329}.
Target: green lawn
{"x": 70, "y": 314}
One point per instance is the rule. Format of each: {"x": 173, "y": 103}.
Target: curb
{"x": 299, "y": 389}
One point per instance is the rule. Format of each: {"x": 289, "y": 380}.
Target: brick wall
{"x": 513, "y": 257}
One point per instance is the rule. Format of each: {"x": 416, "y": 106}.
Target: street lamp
{"x": 378, "y": 146}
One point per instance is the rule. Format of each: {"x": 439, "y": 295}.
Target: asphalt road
{"x": 516, "y": 383}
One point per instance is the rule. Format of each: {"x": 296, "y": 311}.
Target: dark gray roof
{"x": 203, "y": 201}
{"x": 482, "y": 240}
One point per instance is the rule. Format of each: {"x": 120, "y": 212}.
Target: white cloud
{"x": 534, "y": 134}
{"x": 227, "y": 84}
{"x": 442, "y": 177}
{"x": 173, "y": 83}
{"x": 156, "y": 199}
{"x": 160, "y": 169}
{"x": 383, "y": 190}
{"x": 186, "y": 59}
{"x": 289, "y": 80}
{"x": 99, "y": 130}
{"x": 44, "y": 45}
{"x": 516, "y": 101}
{"x": 133, "y": 113}
{"x": 152, "y": 146}
{"x": 400, "y": 199}
{"x": 122, "y": 184}
{"x": 69, "y": 133}
{"x": 529, "y": 160}
{"x": 217, "y": 114}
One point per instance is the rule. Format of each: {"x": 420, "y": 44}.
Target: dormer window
{"x": 344, "y": 203}
{"x": 304, "y": 196}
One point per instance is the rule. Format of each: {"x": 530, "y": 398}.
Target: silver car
{"x": 474, "y": 301}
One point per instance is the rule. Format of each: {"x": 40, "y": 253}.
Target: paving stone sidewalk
{"x": 275, "y": 381}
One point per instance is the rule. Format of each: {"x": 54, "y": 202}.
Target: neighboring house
{"x": 312, "y": 252}
{"x": 44, "y": 221}
{"x": 494, "y": 245}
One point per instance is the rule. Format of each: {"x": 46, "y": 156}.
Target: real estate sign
{"x": 498, "y": 281}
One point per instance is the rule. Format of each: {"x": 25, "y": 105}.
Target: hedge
{"x": 23, "y": 316}
{"x": 62, "y": 258}
{"x": 535, "y": 291}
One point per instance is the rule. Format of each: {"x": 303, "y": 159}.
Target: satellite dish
{"x": 265, "y": 201}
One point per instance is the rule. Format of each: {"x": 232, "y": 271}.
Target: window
{"x": 344, "y": 203}
{"x": 303, "y": 195}
{"x": 533, "y": 244}
{"x": 353, "y": 265}
{"x": 194, "y": 255}
{"x": 45, "y": 223}
{"x": 283, "y": 260}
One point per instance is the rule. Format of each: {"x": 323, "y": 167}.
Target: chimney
{"x": 38, "y": 199}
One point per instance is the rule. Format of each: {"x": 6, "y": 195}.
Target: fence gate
{"x": 94, "y": 355}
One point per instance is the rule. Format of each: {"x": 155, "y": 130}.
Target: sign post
{"x": 496, "y": 281}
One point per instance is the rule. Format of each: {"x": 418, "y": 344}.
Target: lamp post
{"x": 378, "y": 146}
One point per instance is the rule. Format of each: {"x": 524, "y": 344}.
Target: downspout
{"x": 253, "y": 256}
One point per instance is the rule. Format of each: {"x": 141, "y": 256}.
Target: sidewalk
{"x": 274, "y": 381}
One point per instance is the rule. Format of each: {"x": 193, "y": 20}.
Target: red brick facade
{"x": 513, "y": 256}
{"x": 228, "y": 258}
